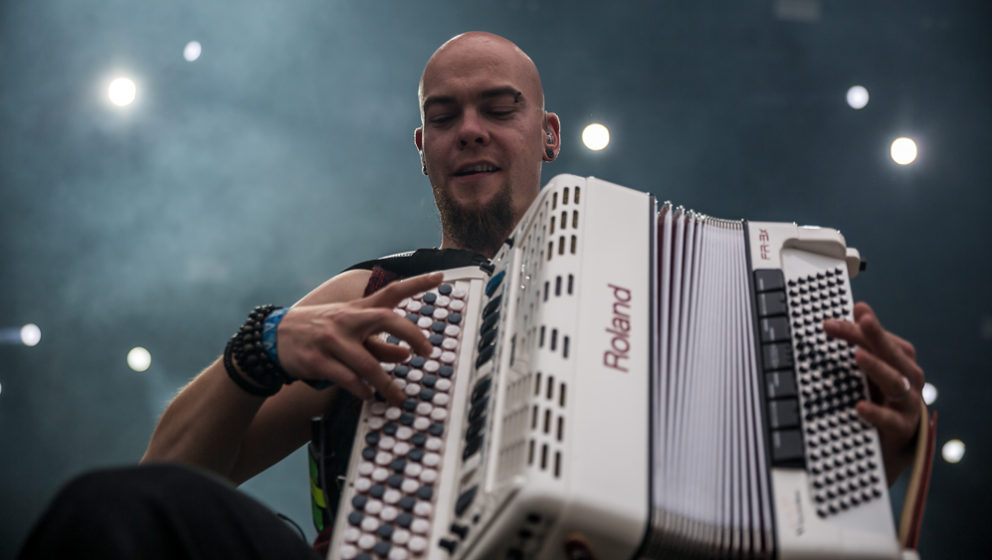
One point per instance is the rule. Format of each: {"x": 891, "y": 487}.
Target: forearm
{"x": 205, "y": 424}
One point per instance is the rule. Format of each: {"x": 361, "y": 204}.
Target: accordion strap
{"x": 919, "y": 481}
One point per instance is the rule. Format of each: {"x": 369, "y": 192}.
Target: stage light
{"x": 192, "y": 51}
{"x": 30, "y": 334}
{"x": 596, "y": 136}
{"x": 122, "y": 91}
{"x": 139, "y": 359}
{"x": 953, "y": 451}
{"x": 929, "y": 393}
{"x": 903, "y": 150}
{"x": 857, "y": 97}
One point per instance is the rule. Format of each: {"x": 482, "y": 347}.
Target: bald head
{"x": 479, "y": 49}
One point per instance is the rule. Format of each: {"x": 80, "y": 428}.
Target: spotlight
{"x": 596, "y": 137}
{"x": 30, "y": 334}
{"x": 192, "y": 51}
{"x": 953, "y": 451}
{"x": 929, "y": 393}
{"x": 139, "y": 359}
{"x": 122, "y": 91}
{"x": 903, "y": 150}
{"x": 857, "y": 97}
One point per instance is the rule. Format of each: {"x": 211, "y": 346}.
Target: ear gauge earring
{"x": 550, "y": 153}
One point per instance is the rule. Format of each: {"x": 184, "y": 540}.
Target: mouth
{"x": 476, "y": 169}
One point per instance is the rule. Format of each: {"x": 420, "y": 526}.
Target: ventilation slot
{"x": 571, "y": 282}
{"x": 557, "y": 285}
{"x": 564, "y": 196}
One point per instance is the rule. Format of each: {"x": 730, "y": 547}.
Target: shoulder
{"x": 346, "y": 286}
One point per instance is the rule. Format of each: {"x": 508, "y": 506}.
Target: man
{"x": 483, "y": 140}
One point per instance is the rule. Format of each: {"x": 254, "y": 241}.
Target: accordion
{"x": 625, "y": 380}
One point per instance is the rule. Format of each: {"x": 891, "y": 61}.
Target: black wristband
{"x": 232, "y": 372}
{"x": 247, "y": 351}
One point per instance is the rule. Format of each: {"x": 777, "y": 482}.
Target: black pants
{"x": 160, "y": 511}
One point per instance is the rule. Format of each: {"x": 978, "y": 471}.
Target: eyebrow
{"x": 486, "y": 94}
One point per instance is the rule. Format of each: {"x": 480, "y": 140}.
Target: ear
{"x": 418, "y": 140}
{"x": 552, "y": 128}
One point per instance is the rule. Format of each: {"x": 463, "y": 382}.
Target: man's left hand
{"x": 896, "y": 382}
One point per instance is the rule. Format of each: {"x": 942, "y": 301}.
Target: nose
{"x": 472, "y": 130}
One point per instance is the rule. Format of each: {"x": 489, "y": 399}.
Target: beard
{"x": 481, "y": 229}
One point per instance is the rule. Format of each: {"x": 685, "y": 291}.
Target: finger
{"x": 893, "y": 385}
{"x": 364, "y": 364}
{"x": 335, "y": 371}
{"x": 904, "y": 345}
{"x": 386, "y": 352}
{"x": 402, "y": 328}
{"x": 891, "y": 424}
{"x": 884, "y": 345}
{"x": 393, "y": 294}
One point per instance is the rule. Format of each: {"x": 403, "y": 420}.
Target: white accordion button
{"x": 433, "y": 444}
{"x": 392, "y": 496}
{"x": 417, "y": 544}
{"x": 452, "y": 330}
{"x": 413, "y": 469}
{"x": 443, "y": 385}
{"x": 401, "y": 536}
{"x": 435, "y": 353}
{"x": 421, "y": 424}
{"x": 432, "y": 459}
{"x": 439, "y": 414}
{"x": 389, "y": 514}
{"x": 412, "y": 390}
{"x": 440, "y": 399}
{"x": 409, "y": 485}
{"x": 458, "y": 293}
{"x": 440, "y": 314}
{"x": 448, "y": 357}
{"x": 415, "y": 375}
{"x": 423, "y": 509}
{"x": 404, "y": 433}
{"x": 425, "y": 323}
{"x": 428, "y": 476}
{"x": 442, "y": 301}
{"x": 432, "y": 366}
{"x": 386, "y": 443}
{"x": 424, "y": 408}
{"x": 419, "y": 526}
{"x": 373, "y": 507}
{"x": 351, "y": 534}
{"x": 377, "y": 408}
{"x": 456, "y": 305}
{"x": 397, "y": 553}
{"x": 368, "y": 524}
{"x": 380, "y": 474}
{"x": 414, "y": 306}
{"x": 376, "y": 423}
{"x": 393, "y": 412}
{"x": 383, "y": 458}
{"x": 348, "y": 552}
{"x": 363, "y": 484}
{"x": 401, "y": 383}
{"x": 365, "y": 468}
{"x": 401, "y": 448}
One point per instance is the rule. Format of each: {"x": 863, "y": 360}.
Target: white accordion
{"x": 626, "y": 381}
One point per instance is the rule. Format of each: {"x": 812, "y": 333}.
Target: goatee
{"x": 481, "y": 229}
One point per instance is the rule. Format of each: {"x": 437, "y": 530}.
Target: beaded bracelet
{"x": 249, "y": 353}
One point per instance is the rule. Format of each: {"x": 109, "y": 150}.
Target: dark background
{"x": 285, "y": 153}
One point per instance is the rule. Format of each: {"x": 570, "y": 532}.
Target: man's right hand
{"x": 338, "y": 342}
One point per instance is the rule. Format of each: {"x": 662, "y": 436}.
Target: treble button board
{"x": 390, "y": 504}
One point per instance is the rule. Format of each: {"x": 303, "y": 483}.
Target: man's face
{"x": 483, "y": 135}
